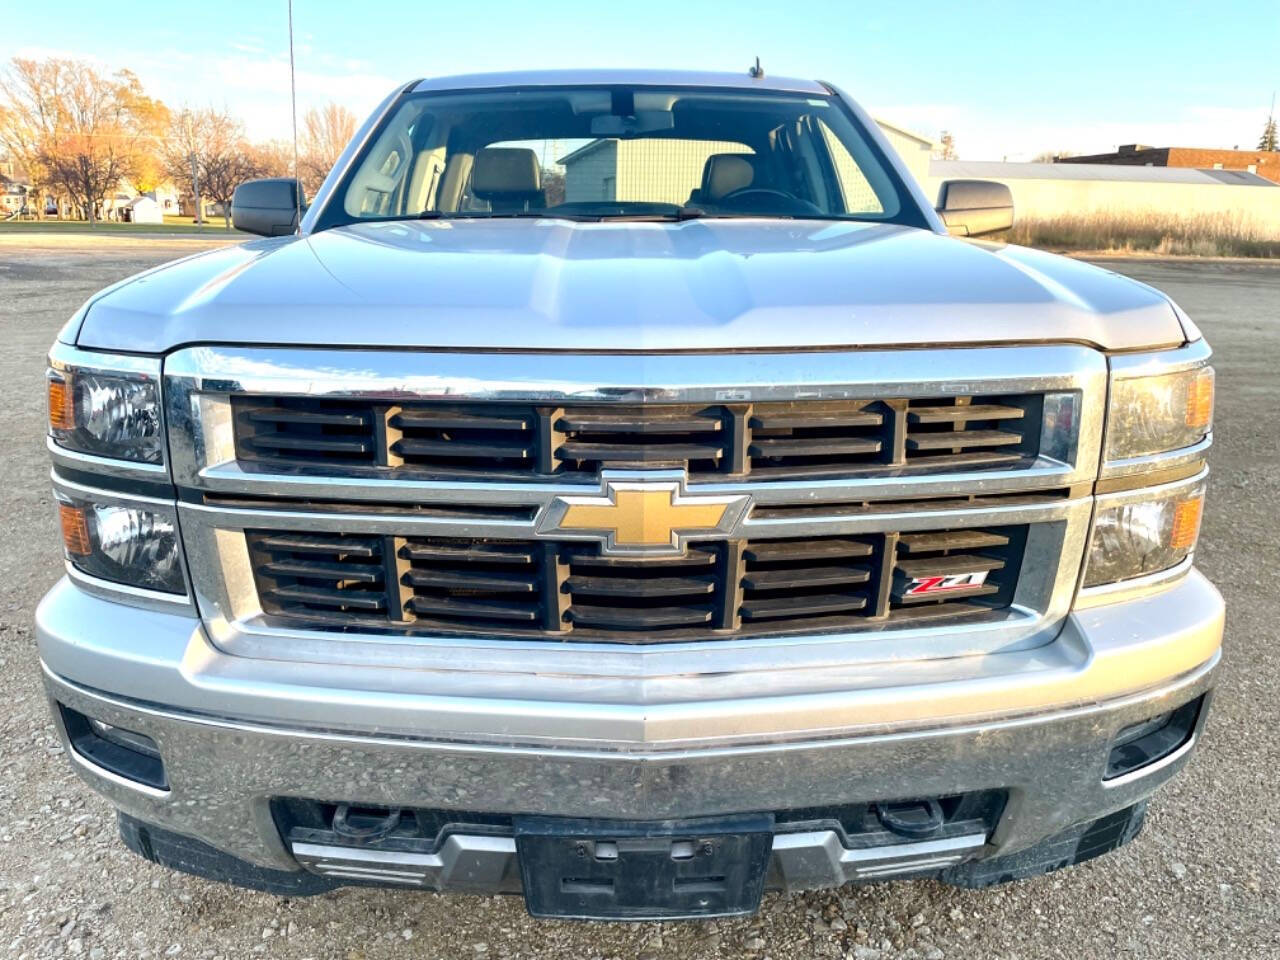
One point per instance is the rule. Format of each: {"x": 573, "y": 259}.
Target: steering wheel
{"x": 741, "y": 192}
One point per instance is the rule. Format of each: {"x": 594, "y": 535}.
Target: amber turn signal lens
{"x": 1186, "y": 524}
{"x": 75, "y": 530}
{"x": 1200, "y": 400}
{"x": 62, "y": 414}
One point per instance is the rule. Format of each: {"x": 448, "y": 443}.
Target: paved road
{"x": 1200, "y": 882}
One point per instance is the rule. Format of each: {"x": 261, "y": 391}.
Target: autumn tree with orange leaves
{"x": 77, "y": 130}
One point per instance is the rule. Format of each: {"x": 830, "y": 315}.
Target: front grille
{"x": 766, "y": 441}
{"x": 568, "y": 591}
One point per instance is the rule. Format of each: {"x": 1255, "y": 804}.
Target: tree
{"x": 208, "y": 157}
{"x": 1270, "y": 139}
{"x": 75, "y": 129}
{"x": 947, "y": 146}
{"x": 326, "y": 131}
{"x": 273, "y": 157}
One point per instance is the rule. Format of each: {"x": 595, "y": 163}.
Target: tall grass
{"x": 1197, "y": 235}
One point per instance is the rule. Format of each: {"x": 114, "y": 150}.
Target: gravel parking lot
{"x": 1199, "y": 882}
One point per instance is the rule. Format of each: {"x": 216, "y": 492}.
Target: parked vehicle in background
{"x": 710, "y": 522}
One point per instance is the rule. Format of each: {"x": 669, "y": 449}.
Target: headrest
{"x": 505, "y": 172}
{"x": 724, "y": 173}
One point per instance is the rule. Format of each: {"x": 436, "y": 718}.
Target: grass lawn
{"x": 171, "y": 225}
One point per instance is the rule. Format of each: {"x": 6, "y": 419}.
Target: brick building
{"x": 1265, "y": 163}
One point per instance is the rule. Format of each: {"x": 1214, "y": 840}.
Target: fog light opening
{"x": 1142, "y": 744}
{"x": 126, "y": 753}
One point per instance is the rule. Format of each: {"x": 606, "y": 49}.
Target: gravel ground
{"x": 1197, "y": 883}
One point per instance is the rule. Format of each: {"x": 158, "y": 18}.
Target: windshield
{"x": 616, "y": 152}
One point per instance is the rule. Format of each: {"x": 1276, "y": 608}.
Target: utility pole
{"x": 195, "y": 187}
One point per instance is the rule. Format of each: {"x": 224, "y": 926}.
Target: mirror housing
{"x": 268, "y": 207}
{"x": 971, "y": 208}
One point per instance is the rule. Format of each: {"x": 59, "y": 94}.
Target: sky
{"x": 1007, "y": 79}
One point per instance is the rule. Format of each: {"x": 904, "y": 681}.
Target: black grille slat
{"x": 657, "y": 423}
{"x": 629, "y": 587}
{"x": 465, "y": 552}
{"x": 947, "y": 565}
{"x": 452, "y": 607}
{"x": 816, "y": 549}
{"x": 354, "y": 446}
{"x": 360, "y": 573}
{"x": 602, "y": 452}
{"x": 410, "y": 448}
{"x": 806, "y": 577}
{"x": 459, "y": 420}
{"x": 766, "y": 440}
{"x": 466, "y": 580}
{"x": 958, "y": 413}
{"x": 328, "y": 598}
{"x": 318, "y": 418}
{"x": 567, "y": 591}
{"x": 693, "y": 557}
{"x": 305, "y": 543}
{"x": 961, "y": 439}
{"x": 646, "y": 618}
{"x": 950, "y": 540}
{"x": 773, "y": 608}
{"x": 765, "y": 447}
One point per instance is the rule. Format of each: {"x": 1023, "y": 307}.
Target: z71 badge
{"x": 922, "y": 586}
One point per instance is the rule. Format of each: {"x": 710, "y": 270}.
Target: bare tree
{"x": 208, "y": 157}
{"x": 325, "y": 134}
{"x": 226, "y": 170}
{"x": 274, "y": 158}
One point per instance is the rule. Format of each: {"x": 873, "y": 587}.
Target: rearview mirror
{"x": 971, "y": 208}
{"x": 268, "y": 207}
{"x": 644, "y": 121}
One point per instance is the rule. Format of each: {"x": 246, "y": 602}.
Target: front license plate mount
{"x": 645, "y": 870}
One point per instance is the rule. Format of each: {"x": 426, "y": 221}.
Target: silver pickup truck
{"x": 618, "y": 488}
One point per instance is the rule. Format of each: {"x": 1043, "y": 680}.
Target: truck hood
{"x": 696, "y": 285}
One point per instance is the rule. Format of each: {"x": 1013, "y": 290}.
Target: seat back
{"x": 509, "y": 178}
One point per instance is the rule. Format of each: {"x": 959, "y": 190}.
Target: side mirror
{"x": 971, "y": 208}
{"x": 268, "y": 207}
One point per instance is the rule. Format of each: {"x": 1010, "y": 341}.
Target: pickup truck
{"x": 627, "y": 490}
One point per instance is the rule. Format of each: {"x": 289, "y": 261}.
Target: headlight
{"x": 136, "y": 546}
{"x": 1144, "y": 536}
{"x": 106, "y": 413}
{"x": 1159, "y": 413}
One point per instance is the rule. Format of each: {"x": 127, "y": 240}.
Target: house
{"x": 1265, "y": 163}
{"x": 143, "y": 209}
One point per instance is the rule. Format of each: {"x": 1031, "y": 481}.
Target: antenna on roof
{"x": 293, "y": 104}
{"x": 756, "y": 72}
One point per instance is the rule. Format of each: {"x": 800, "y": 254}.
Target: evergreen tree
{"x": 1270, "y": 139}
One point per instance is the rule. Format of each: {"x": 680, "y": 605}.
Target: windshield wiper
{"x": 690, "y": 213}
{"x": 509, "y": 215}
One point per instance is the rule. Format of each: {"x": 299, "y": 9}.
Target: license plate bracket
{"x": 643, "y": 870}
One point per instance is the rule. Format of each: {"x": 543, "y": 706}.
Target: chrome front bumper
{"x": 235, "y": 732}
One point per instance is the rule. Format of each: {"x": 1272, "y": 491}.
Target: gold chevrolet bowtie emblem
{"x": 643, "y": 513}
